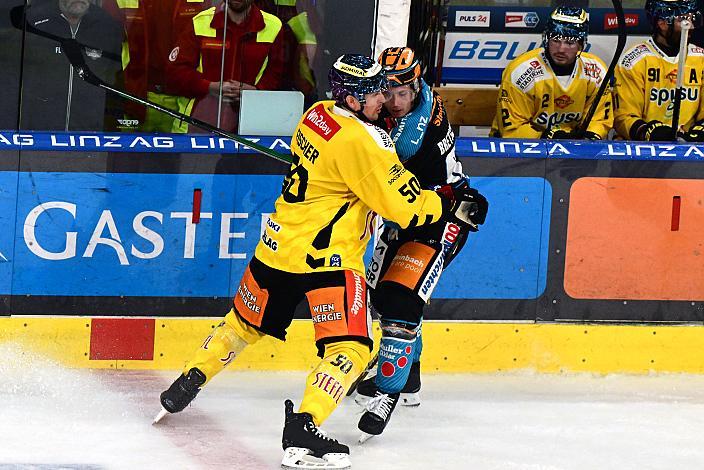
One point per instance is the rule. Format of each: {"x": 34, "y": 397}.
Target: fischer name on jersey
{"x": 344, "y": 171}
{"x": 533, "y": 99}
{"x": 645, "y": 87}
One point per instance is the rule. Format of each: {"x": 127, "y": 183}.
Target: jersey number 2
{"x": 504, "y": 118}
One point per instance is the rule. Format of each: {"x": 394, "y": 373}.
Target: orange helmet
{"x": 401, "y": 66}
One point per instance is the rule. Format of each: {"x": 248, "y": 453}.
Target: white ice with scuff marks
{"x": 65, "y": 418}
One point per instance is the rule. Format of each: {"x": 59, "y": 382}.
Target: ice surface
{"x": 57, "y": 418}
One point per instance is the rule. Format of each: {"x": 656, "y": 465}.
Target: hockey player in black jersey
{"x": 341, "y": 163}
{"x": 407, "y": 263}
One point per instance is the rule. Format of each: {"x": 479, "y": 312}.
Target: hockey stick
{"x": 441, "y": 46}
{"x": 73, "y": 52}
{"x": 684, "y": 34}
{"x": 620, "y": 45}
{"x": 18, "y": 19}
{"x": 222, "y": 61}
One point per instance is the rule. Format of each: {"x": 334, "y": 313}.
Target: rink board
{"x": 93, "y": 235}
{"x": 102, "y": 225}
{"x": 103, "y": 266}
{"x": 449, "y": 347}
{"x": 482, "y": 40}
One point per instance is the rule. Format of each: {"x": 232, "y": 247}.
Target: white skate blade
{"x": 410, "y": 399}
{"x": 161, "y": 414}
{"x": 406, "y": 399}
{"x": 298, "y": 457}
{"x": 365, "y": 437}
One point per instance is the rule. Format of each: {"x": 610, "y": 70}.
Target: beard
{"x": 74, "y": 7}
{"x": 239, "y": 6}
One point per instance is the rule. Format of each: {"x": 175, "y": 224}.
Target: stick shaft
{"x": 198, "y": 123}
{"x": 621, "y": 44}
{"x": 73, "y": 52}
{"x": 677, "y": 103}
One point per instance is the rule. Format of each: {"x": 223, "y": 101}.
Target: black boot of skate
{"x": 302, "y": 440}
{"x": 410, "y": 395}
{"x": 378, "y": 414}
{"x": 182, "y": 391}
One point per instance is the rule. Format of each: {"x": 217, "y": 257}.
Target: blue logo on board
{"x": 531, "y": 19}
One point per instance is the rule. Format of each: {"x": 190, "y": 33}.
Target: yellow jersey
{"x": 532, "y": 98}
{"x": 645, "y": 87}
{"x": 344, "y": 172}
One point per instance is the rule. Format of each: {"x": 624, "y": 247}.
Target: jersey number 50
{"x": 296, "y": 174}
{"x": 410, "y": 190}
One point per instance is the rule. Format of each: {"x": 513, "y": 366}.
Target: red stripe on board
{"x": 122, "y": 339}
{"x": 676, "y": 204}
{"x": 197, "y": 196}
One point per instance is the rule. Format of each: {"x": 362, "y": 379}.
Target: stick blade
{"x": 72, "y": 51}
{"x": 17, "y": 17}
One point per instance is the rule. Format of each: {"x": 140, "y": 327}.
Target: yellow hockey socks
{"x": 225, "y": 343}
{"x": 329, "y": 381}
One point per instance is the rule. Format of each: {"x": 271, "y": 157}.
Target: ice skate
{"x": 378, "y": 414}
{"x": 306, "y": 446}
{"x": 410, "y": 395}
{"x": 180, "y": 393}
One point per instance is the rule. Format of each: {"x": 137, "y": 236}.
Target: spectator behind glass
{"x": 302, "y": 27}
{"x": 151, "y": 28}
{"x": 253, "y": 59}
{"x": 698, "y": 34}
{"x": 10, "y": 60}
{"x": 53, "y": 95}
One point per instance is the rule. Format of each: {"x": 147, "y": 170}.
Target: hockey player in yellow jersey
{"x": 344, "y": 171}
{"x": 546, "y": 92}
{"x": 646, "y": 78}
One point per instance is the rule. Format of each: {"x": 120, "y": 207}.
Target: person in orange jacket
{"x": 253, "y": 59}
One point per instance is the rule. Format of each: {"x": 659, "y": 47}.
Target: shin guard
{"x": 225, "y": 343}
{"x": 329, "y": 381}
{"x": 419, "y": 345}
{"x": 396, "y": 353}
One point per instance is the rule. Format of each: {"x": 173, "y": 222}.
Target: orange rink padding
{"x": 632, "y": 238}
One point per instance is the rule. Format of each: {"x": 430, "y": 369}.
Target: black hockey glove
{"x": 696, "y": 132}
{"x": 589, "y": 135}
{"x": 463, "y": 205}
{"x": 555, "y": 134}
{"x": 655, "y": 131}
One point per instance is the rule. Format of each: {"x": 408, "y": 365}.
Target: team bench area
{"x": 472, "y": 105}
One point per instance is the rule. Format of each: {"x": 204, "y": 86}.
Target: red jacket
{"x": 151, "y": 28}
{"x": 244, "y": 55}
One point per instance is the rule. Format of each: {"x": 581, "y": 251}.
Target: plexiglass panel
{"x": 192, "y": 56}
{"x": 10, "y": 65}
